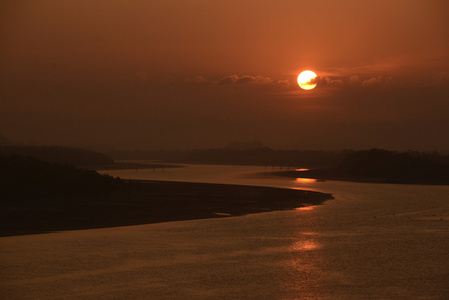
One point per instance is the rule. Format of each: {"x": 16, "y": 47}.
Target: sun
{"x": 305, "y": 78}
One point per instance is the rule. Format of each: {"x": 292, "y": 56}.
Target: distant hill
{"x": 61, "y": 155}
{"x": 377, "y": 165}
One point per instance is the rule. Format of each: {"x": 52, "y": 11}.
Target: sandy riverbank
{"x": 154, "y": 202}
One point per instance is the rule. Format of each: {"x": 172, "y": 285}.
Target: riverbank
{"x": 331, "y": 174}
{"x": 132, "y": 165}
{"x": 152, "y": 202}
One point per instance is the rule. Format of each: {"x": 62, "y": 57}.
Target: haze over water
{"x": 378, "y": 241}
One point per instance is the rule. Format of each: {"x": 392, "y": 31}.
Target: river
{"x": 373, "y": 241}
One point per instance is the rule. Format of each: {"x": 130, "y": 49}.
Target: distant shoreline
{"x": 131, "y": 166}
{"x": 331, "y": 175}
{"x": 153, "y": 202}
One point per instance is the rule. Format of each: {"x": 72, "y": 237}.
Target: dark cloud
{"x": 354, "y": 80}
{"x": 245, "y": 79}
{"x": 228, "y": 80}
{"x": 372, "y": 81}
{"x": 378, "y": 81}
{"x": 325, "y": 80}
{"x": 197, "y": 79}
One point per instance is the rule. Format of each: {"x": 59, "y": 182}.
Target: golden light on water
{"x": 305, "y": 245}
{"x": 305, "y": 208}
{"x": 305, "y": 80}
{"x": 305, "y": 180}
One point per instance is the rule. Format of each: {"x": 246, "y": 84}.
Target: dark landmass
{"x": 234, "y": 154}
{"x": 23, "y": 178}
{"x": 62, "y": 155}
{"x": 38, "y": 197}
{"x": 382, "y": 166}
{"x": 82, "y": 158}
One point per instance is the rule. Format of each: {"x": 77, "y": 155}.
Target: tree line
{"x": 58, "y": 154}
{"x": 27, "y": 178}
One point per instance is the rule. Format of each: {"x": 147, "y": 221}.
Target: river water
{"x": 373, "y": 241}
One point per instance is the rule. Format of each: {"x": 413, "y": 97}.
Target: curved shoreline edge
{"x": 153, "y": 202}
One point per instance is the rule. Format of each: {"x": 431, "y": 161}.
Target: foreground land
{"x": 152, "y": 202}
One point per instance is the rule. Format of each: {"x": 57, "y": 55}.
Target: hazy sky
{"x": 162, "y": 74}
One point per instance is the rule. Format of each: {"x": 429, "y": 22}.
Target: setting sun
{"x": 305, "y": 78}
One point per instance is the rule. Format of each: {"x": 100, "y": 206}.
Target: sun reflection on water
{"x": 304, "y": 245}
{"x": 305, "y": 180}
{"x": 305, "y": 208}
{"x": 304, "y": 277}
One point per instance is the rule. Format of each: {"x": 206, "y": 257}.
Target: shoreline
{"x": 132, "y": 166}
{"x": 153, "y": 202}
{"x": 331, "y": 175}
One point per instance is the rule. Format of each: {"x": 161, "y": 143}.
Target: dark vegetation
{"x": 62, "y": 155}
{"x": 24, "y": 178}
{"x": 384, "y": 166}
{"x": 75, "y": 156}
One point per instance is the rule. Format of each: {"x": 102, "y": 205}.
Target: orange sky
{"x": 200, "y": 73}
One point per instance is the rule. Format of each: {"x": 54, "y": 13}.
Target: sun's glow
{"x": 305, "y": 78}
